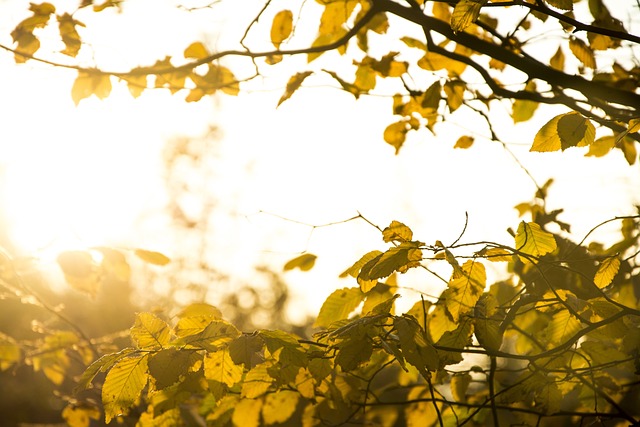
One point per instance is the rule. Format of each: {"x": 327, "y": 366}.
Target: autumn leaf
{"x": 152, "y": 257}
{"x": 69, "y": 34}
{"x": 304, "y": 262}
{"x": 459, "y": 386}
{"x": 465, "y": 13}
{"x": 150, "y": 332}
{"x": 582, "y": 52}
{"x": 338, "y": 306}
{"x": 557, "y": 60}
{"x": 464, "y": 142}
{"x": 523, "y": 109}
{"x": 80, "y": 416}
{"x": 533, "y": 240}
{"x": 606, "y": 272}
{"x": 219, "y": 366}
{"x": 281, "y": 27}
{"x": 395, "y": 134}
{"x": 293, "y": 85}
{"x": 398, "y": 232}
{"x": 564, "y": 131}
{"x": 196, "y": 50}
{"x": 123, "y": 385}
{"x": 561, "y": 4}
{"x": 279, "y": 407}
{"x": 90, "y": 83}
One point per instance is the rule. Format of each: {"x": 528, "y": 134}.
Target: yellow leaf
{"x": 606, "y": 272}
{"x": 411, "y": 42}
{"x": 10, "y": 352}
{"x": 497, "y": 254}
{"x": 467, "y": 289}
{"x": 90, "y": 83}
{"x": 304, "y": 262}
{"x": 150, "y": 332}
{"x": 582, "y": 52}
{"x": 561, "y": 4}
{"x": 355, "y": 268}
{"x": 533, "y": 240}
{"x": 464, "y": 142}
{"x": 69, "y": 34}
{"x": 247, "y": 413}
{"x": 80, "y": 271}
{"x": 395, "y": 134}
{"x": 397, "y": 231}
{"x": 80, "y": 416}
{"x": 257, "y": 381}
{"x": 557, "y": 60}
{"x": 601, "y": 146}
{"x": 218, "y": 366}
{"x": 459, "y": 386}
{"x": 151, "y": 257}
{"x": 523, "y": 109}
{"x": 200, "y": 309}
{"x": 634, "y": 125}
{"x": 562, "y": 327}
{"x": 399, "y": 258}
{"x": 196, "y": 50}
{"x": 575, "y": 130}
{"x": 442, "y": 11}
{"x": 564, "y": 131}
{"x": 278, "y": 407}
{"x": 454, "y": 89}
{"x": 465, "y": 13}
{"x": 338, "y": 306}
{"x": 123, "y": 385}
{"x": 281, "y": 27}
{"x": 293, "y": 84}
{"x": 114, "y": 262}
{"x": 628, "y": 147}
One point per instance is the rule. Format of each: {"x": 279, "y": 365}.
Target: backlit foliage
{"x": 556, "y": 340}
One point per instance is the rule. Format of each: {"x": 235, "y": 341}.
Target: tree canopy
{"x": 554, "y": 341}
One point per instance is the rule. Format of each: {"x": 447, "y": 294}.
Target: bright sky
{"x": 83, "y": 176}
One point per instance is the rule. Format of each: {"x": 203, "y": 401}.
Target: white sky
{"x": 82, "y": 176}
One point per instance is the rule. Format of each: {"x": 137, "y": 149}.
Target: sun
{"x": 80, "y": 176}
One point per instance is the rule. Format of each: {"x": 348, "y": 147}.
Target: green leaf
{"x": 465, "y": 13}
{"x": 150, "y": 332}
{"x": 533, "y": 240}
{"x": 218, "y": 366}
{"x": 278, "y": 407}
{"x": 293, "y": 85}
{"x": 281, "y": 27}
{"x": 338, "y": 306}
{"x": 152, "y": 257}
{"x": 123, "y": 385}
{"x": 397, "y": 232}
{"x": 304, "y": 262}
{"x": 606, "y": 272}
